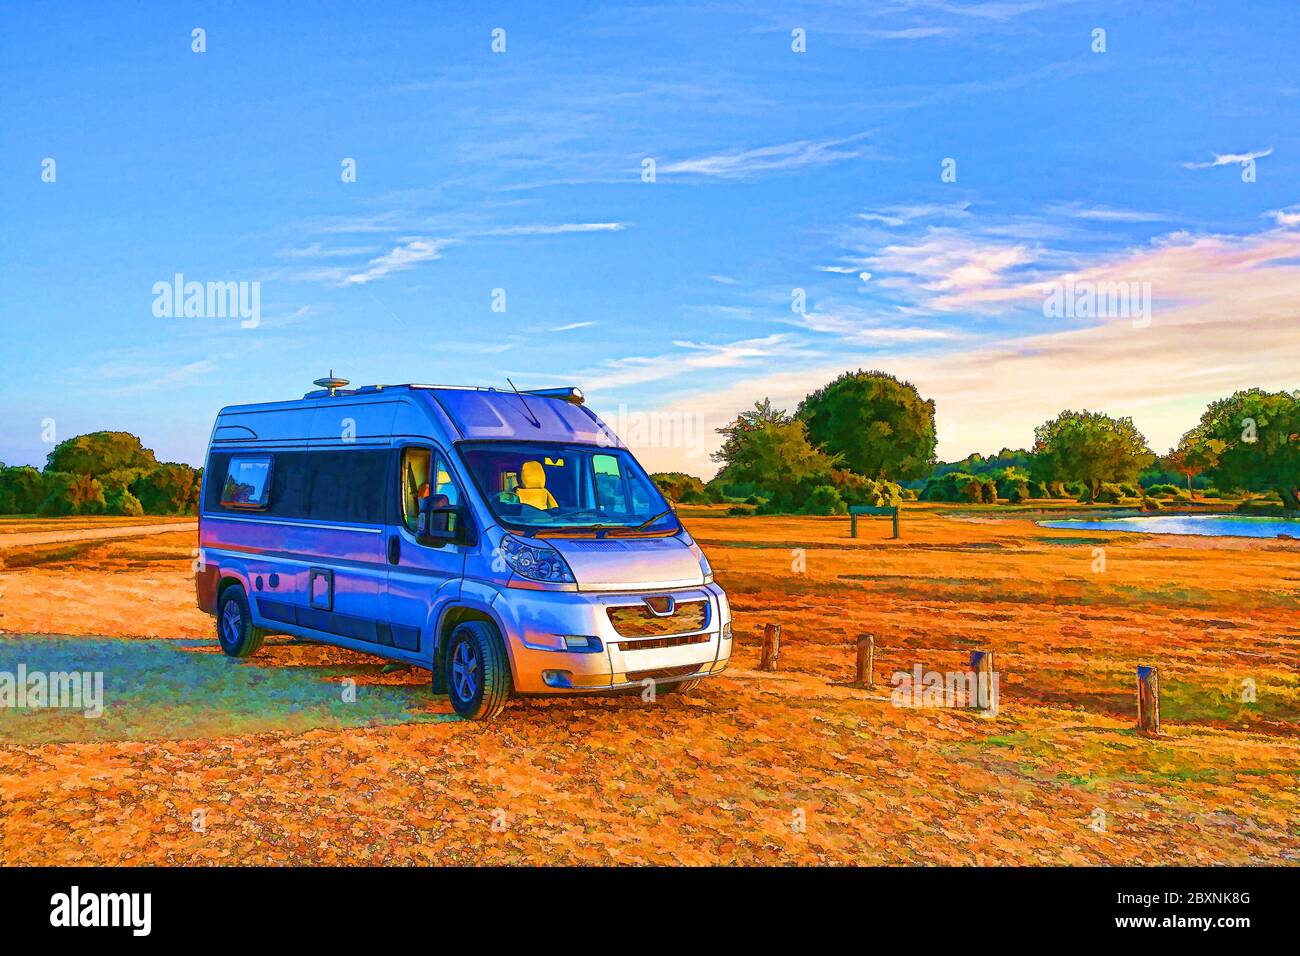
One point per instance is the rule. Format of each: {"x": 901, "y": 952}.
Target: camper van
{"x": 506, "y": 541}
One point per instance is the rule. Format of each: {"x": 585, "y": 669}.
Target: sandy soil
{"x": 789, "y": 767}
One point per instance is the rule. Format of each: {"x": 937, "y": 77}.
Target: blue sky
{"x": 522, "y": 170}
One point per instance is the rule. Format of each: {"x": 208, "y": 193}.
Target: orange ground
{"x": 754, "y": 768}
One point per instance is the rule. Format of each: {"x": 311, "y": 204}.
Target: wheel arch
{"x": 453, "y": 617}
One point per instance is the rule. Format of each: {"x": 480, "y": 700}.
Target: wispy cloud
{"x": 691, "y": 357}
{"x": 1105, "y": 213}
{"x": 317, "y": 251}
{"x": 571, "y": 326}
{"x": 556, "y": 229}
{"x": 409, "y": 254}
{"x": 907, "y": 33}
{"x": 743, "y": 164}
{"x": 1287, "y": 217}
{"x": 902, "y": 214}
{"x": 1227, "y": 159}
{"x": 943, "y": 267}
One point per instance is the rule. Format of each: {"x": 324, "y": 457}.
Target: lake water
{"x": 1236, "y": 526}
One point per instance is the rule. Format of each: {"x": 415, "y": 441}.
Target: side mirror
{"x": 440, "y": 522}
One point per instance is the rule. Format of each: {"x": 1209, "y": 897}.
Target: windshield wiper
{"x": 648, "y": 521}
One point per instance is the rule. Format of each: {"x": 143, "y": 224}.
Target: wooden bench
{"x": 885, "y": 511}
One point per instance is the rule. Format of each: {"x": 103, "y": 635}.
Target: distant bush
{"x": 1182, "y": 495}
{"x": 989, "y": 492}
{"x": 680, "y": 488}
{"x": 854, "y": 489}
{"x": 1150, "y": 504}
{"x": 169, "y": 488}
{"x": 1017, "y": 492}
{"x": 1163, "y": 490}
{"x": 1211, "y": 493}
{"x": 119, "y": 501}
{"x": 22, "y": 489}
{"x": 908, "y": 494}
{"x": 1130, "y": 490}
{"x": 825, "y": 500}
{"x": 1110, "y": 494}
{"x": 71, "y": 495}
{"x": 954, "y": 486}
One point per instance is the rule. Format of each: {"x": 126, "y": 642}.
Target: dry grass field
{"x": 199, "y": 759}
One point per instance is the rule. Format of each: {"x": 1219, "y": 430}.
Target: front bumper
{"x": 535, "y": 621}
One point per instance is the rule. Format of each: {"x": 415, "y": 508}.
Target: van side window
{"x": 420, "y": 481}
{"x": 347, "y": 485}
{"x": 611, "y": 489}
{"x": 247, "y": 483}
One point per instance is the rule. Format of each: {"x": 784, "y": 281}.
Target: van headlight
{"x": 706, "y": 569}
{"x": 535, "y": 561}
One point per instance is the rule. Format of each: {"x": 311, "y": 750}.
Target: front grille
{"x": 650, "y": 643}
{"x": 663, "y": 673}
{"x": 636, "y": 620}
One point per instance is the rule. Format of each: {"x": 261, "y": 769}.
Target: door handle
{"x": 394, "y": 549}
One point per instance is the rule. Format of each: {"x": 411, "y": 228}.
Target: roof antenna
{"x": 331, "y": 383}
{"x": 533, "y": 418}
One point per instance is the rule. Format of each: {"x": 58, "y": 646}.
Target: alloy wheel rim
{"x": 464, "y": 672}
{"x": 230, "y": 623}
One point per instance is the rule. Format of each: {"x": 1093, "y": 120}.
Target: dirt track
{"x": 22, "y": 539}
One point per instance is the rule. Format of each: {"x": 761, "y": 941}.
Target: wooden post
{"x": 771, "y": 647}
{"x": 866, "y": 668}
{"x": 1148, "y": 700}
{"x": 853, "y": 524}
{"x": 895, "y": 522}
{"x": 981, "y": 663}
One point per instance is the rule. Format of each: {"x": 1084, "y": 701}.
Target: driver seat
{"x": 532, "y": 487}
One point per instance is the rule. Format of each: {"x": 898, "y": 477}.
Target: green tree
{"x": 769, "y": 449}
{"x": 22, "y": 489}
{"x": 99, "y": 453}
{"x": 878, "y": 425}
{"x": 1091, "y": 448}
{"x": 1260, "y": 436}
{"x": 169, "y": 488}
{"x": 72, "y": 495}
{"x": 1195, "y": 453}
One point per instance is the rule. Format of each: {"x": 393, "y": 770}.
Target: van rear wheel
{"x": 235, "y": 631}
{"x": 477, "y": 671}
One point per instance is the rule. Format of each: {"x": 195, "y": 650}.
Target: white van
{"x": 506, "y": 541}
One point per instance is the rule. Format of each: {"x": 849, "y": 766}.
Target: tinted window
{"x": 325, "y": 486}
{"x": 347, "y": 486}
{"x": 247, "y": 483}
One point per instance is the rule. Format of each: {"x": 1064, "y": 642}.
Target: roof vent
{"x": 330, "y": 383}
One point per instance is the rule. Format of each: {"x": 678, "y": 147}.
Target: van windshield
{"x": 549, "y": 487}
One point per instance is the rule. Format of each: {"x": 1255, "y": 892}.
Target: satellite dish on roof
{"x": 331, "y": 383}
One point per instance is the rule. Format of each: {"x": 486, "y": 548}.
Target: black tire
{"x": 678, "y": 687}
{"x": 477, "y": 671}
{"x": 235, "y": 631}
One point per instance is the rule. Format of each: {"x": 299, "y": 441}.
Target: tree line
{"x": 869, "y": 438}
{"x": 102, "y": 473}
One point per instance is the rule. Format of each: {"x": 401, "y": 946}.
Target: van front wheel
{"x": 235, "y": 631}
{"x": 478, "y": 672}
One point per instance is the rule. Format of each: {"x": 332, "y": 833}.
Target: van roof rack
{"x": 331, "y": 387}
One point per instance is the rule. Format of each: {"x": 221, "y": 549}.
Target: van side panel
{"x": 314, "y": 557}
